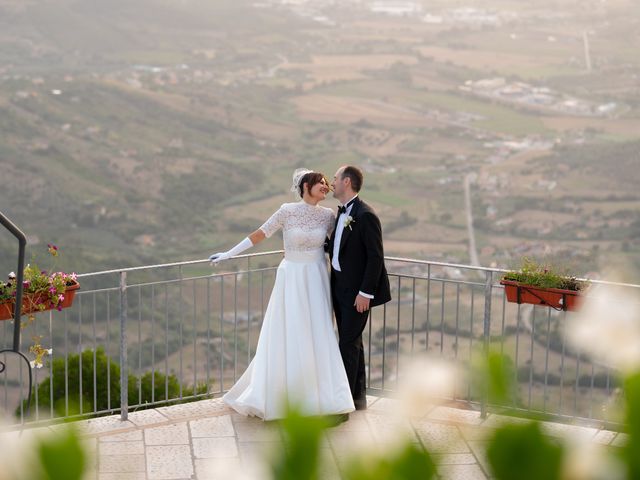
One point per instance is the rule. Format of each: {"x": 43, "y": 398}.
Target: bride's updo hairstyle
{"x": 302, "y": 176}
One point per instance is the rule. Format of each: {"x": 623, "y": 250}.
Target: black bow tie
{"x": 343, "y": 208}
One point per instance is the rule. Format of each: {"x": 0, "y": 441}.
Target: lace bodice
{"x": 305, "y": 227}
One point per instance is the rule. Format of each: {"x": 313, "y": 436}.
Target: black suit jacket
{"x": 361, "y": 254}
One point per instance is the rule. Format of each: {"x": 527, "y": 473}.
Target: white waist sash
{"x": 304, "y": 256}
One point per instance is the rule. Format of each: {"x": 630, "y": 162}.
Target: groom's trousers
{"x": 350, "y": 324}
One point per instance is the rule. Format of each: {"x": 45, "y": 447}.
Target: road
{"x": 473, "y": 252}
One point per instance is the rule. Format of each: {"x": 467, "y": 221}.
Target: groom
{"x": 358, "y": 276}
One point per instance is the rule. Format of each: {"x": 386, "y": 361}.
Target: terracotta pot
{"x": 555, "y": 298}
{"x": 30, "y": 302}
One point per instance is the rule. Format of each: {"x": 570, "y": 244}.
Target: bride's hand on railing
{"x": 238, "y": 249}
{"x": 218, "y": 257}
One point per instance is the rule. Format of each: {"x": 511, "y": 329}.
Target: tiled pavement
{"x": 206, "y": 440}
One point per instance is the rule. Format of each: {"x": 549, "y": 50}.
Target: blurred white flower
{"x": 19, "y": 453}
{"x": 255, "y": 467}
{"x": 425, "y": 382}
{"x": 586, "y": 460}
{"x": 608, "y": 327}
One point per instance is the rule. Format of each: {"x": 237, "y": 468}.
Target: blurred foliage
{"x": 631, "y": 451}
{"x": 522, "y": 452}
{"x": 300, "y": 457}
{"x": 493, "y": 375}
{"x": 409, "y": 462}
{"x": 62, "y": 457}
{"x": 514, "y": 451}
{"x": 519, "y": 451}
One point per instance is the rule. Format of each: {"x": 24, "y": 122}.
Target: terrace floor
{"x": 207, "y": 440}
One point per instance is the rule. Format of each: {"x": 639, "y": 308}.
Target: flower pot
{"x": 30, "y": 302}
{"x": 555, "y": 298}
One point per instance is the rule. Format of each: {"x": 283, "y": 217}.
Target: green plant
{"x": 42, "y": 290}
{"x": 544, "y": 276}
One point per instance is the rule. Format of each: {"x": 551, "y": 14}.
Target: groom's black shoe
{"x": 360, "y": 404}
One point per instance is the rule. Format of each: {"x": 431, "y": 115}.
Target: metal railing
{"x": 156, "y": 335}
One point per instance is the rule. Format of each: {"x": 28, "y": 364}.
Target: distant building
{"x": 607, "y": 108}
{"x": 489, "y": 83}
{"x": 396, "y": 8}
{"x": 538, "y": 98}
{"x": 433, "y": 19}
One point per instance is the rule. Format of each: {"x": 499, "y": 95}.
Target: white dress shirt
{"x": 335, "y": 261}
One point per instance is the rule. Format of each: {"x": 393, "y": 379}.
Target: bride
{"x": 297, "y": 360}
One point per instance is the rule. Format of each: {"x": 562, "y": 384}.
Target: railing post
{"x": 124, "y": 369}
{"x": 22, "y": 243}
{"x": 488, "y": 285}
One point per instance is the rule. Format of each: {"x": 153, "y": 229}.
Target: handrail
{"x": 387, "y": 258}
{"x": 173, "y": 264}
{"x": 498, "y": 270}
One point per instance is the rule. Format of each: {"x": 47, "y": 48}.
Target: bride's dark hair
{"x": 310, "y": 179}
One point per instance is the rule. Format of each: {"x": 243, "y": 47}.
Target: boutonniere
{"x": 348, "y": 221}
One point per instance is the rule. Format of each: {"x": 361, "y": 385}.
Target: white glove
{"x": 238, "y": 249}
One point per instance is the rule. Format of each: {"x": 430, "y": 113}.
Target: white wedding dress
{"x": 297, "y": 359}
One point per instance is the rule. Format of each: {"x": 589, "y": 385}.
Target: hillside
{"x": 156, "y": 130}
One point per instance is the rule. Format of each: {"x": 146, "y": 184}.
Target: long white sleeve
{"x": 245, "y": 244}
